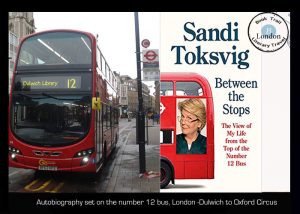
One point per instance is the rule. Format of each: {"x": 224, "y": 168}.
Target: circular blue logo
{"x": 268, "y": 30}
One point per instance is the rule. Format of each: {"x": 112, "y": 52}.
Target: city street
{"x": 120, "y": 174}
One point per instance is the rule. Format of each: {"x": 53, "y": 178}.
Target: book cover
{"x": 245, "y": 57}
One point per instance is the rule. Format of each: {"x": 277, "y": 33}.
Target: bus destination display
{"x": 51, "y": 82}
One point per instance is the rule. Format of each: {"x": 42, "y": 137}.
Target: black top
{"x": 198, "y": 146}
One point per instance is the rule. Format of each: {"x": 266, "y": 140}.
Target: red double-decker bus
{"x": 63, "y": 106}
{"x": 178, "y": 160}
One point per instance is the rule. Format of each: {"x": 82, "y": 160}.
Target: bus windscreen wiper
{"x": 28, "y": 96}
{"x": 53, "y": 97}
{"x": 25, "y": 95}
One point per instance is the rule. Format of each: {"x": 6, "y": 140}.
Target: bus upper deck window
{"x": 166, "y": 88}
{"x": 180, "y": 93}
{"x": 188, "y": 89}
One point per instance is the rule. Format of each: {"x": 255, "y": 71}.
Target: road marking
{"x": 13, "y": 173}
{"x": 125, "y": 142}
{"x": 55, "y": 190}
{"x": 18, "y": 170}
{"x": 29, "y": 187}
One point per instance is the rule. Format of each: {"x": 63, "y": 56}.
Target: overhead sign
{"x": 146, "y": 43}
{"x": 50, "y": 82}
{"x": 150, "y": 65}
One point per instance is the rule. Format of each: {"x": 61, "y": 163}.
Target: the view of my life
{"x": 116, "y": 38}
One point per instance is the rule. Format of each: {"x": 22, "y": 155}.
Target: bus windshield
{"x": 50, "y": 120}
{"x": 55, "y": 48}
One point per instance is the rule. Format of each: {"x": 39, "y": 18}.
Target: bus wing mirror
{"x": 96, "y": 103}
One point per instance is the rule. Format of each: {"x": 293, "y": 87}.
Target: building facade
{"x": 129, "y": 96}
{"x": 13, "y": 42}
{"x": 20, "y": 24}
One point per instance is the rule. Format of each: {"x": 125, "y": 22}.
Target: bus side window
{"x": 166, "y": 136}
{"x": 98, "y": 57}
{"x": 188, "y": 89}
{"x": 166, "y": 88}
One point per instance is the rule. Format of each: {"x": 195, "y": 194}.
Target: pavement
{"x": 125, "y": 173}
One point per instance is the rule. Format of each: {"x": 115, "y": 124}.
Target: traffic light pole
{"x": 140, "y": 121}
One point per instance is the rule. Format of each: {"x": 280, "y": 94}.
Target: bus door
{"x": 194, "y": 165}
{"x": 186, "y": 166}
{"x": 115, "y": 124}
{"x": 189, "y": 165}
{"x": 98, "y": 135}
{"x": 106, "y": 129}
{"x": 114, "y": 121}
{"x": 109, "y": 133}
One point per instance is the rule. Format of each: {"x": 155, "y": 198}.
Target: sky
{"x": 116, "y": 33}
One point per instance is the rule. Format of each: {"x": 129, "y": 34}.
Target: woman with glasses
{"x": 192, "y": 121}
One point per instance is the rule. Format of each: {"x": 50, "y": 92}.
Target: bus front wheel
{"x": 165, "y": 174}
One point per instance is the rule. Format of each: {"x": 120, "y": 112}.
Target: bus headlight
{"x": 85, "y": 154}
{"x": 13, "y": 156}
{"x": 13, "y": 152}
{"x": 85, "y": 160}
